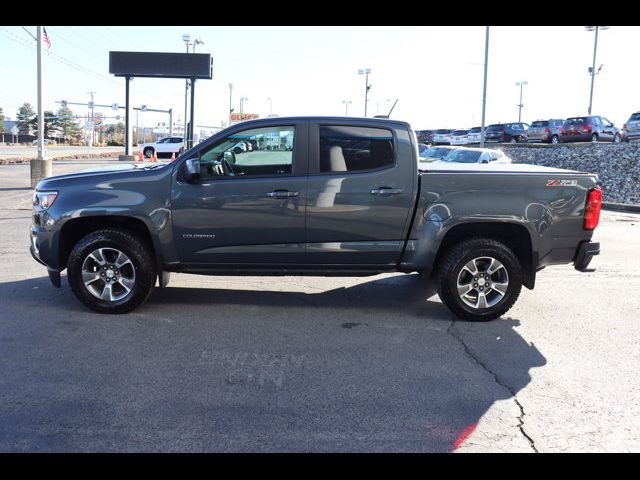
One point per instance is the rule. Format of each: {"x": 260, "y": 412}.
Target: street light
{"x": 346, "y": 107}
{"x": 592, "y": 69}
{"x": 520, "y": 105}
{"x": 186, "y": 38}
{"x": 197, "y": 41}
{"x": 230, "y": 107}
{"x": 270, "y": 106}
{"x": 242, "y": 99}
{"x": 365, "y": 72}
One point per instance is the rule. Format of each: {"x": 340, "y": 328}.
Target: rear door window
{"x": 355, "y": 149}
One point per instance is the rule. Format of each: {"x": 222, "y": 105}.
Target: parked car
{"x": 476, "y": 155}
{"x": 474, "y": 135}
{"x": 631, "y": 129}
{"x": 317, "y": 209}
{"x": 436, "y": 153}
{"x": 425, "y": 136}
{"x": 165, "y": 147}
{"x": 442, "y": 136}
{"x": 546, "y": 131}
{"x": 592, "y": 128}
{"x": 459, "y": 137}
{"x": 506, "y": 132}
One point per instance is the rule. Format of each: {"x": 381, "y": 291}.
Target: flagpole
{"x": 40, "y": 167}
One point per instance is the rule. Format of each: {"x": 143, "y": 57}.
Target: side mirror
{"x": 192, "y": 169}
{"x": 485, "y": 161}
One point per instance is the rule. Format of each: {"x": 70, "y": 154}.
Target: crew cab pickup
{"x": 314, "y": 196}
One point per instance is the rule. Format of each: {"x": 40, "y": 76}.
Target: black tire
{"x": 555, "y": 139}
{"x": 616, "y": 138}
{"x": 594, "y": 138}
{"x": 452, "y": 265}
{"x": 141, "y": 260}
{"x": 148, "y": 152}
{"x": 513, "y": 140}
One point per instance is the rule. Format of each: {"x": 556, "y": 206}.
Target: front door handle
{"x": 282, "y": 194}
{"x": 386, "y": 191}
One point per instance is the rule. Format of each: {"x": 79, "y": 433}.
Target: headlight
{"x": 44, "y": 199}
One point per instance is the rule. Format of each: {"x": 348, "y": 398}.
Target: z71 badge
{"x": 562, "y": 183}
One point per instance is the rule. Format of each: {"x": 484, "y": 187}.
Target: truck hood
{"x": 440, "y": 166}
{"x": 98, "y": 173}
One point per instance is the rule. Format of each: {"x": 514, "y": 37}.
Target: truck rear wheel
{"x": 111, "y": 271}
{"x": 479, "y": 279}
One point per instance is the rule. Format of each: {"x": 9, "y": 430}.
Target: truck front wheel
{"x": 111, "y": 271}
{"x": 479, "y": 279}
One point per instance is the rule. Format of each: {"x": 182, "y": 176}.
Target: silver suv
{"x": 547, "y": 131}
{"x": 631, "y": 129}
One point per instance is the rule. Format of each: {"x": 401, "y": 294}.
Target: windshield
{"x": 443, "y": 131}
{"x": 463, "y": 156}
{"x": 541, "y": 123}
{"x": 575, "y": 121}
{"x": 635, "y": 117}
{"x": 435, "y": 152}
{"x": 460, "y": 132}
{"x": 494, "y": 128}
{"x": 475, "y": 130}
{"x": 422, "y": 148}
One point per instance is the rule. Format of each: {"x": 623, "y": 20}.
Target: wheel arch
{"x": 76, "y": 228}
{"x": 513, "y": 235}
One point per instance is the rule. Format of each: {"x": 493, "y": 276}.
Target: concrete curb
{"x": 621, "y": 207}
{"x": 78, "y": 156}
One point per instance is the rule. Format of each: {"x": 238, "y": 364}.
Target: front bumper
{"x": 586, "y": 251}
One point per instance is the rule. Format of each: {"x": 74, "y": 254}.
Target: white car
{"x": 474, "y": 135}
{"x": 476, "y": 155}
{"x": 165, "y": 147}
{"x": 442, "y": 136}
{"x": 459, "y": 137}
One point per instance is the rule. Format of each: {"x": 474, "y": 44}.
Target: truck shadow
{"x": 377, "y": 366}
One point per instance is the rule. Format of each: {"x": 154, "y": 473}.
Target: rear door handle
{"x": 386, "y": 191}
{"x": 282, "y": 194}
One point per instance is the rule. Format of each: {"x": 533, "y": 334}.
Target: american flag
{"x": 46, "y": 38}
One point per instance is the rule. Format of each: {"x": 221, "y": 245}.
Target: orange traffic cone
{"x": 140, "y": 155}
{"x": 173, "y": 156}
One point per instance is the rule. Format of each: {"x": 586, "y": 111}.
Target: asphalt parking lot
{"x": 318, "y": 364}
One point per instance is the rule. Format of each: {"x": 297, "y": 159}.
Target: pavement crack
{"x": 470, "y": 353}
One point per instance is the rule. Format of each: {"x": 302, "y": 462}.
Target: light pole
{"x": 230, "y": 98}
{"x": 242, "y": 99}
{"x": 270, "y": 106}
{"x": 520, "y": 105}
{"x": 346, "y": 107}
{"x": 484, "y": 87}
{"x": 186, "y": 38}
{"x": 592, "y": 69}
{"x": 365, "y": 72}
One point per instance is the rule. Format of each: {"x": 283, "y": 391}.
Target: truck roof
{"x": 381, "y": 121}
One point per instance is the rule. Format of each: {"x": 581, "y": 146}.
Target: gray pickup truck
{"x": 314, "y": 196}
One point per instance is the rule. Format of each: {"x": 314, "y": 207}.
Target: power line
{"x": 30, "y": 34}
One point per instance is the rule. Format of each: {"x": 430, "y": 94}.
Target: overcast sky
{"x": 434, "y": 72}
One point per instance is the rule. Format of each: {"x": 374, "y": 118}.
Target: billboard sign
{"x": 241, "y": 117}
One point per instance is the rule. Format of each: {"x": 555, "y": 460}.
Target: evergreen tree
{"x": 24, "y": 119}
{"x": 50, "y": 124}
{"x": 67, "y": 124}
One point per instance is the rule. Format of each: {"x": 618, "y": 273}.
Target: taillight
{"x": 624, "y": 125}
{"x": 586, "y": 128}
{"x": 592, "y": 212}
{"x": 562, "y": 130}
{"x": 547, "y": 130}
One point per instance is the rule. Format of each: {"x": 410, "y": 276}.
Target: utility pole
{"x": 40, "y": 167}
{"x": 484, "y": 88}
{"x": 520, "y": 105}
{"x": 93, "y": 127}
{"x": 186, "y": 38}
